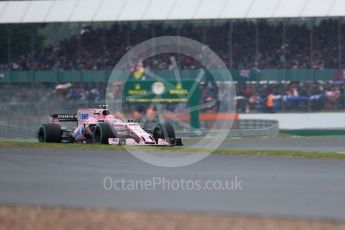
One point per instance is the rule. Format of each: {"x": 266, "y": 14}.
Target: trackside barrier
{"x": 13, "y": 132}
{"x": 242, "y": 128}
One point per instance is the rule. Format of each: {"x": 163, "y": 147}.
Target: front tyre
{"x": 164, "y": 131}
{"x": 49, "y": 133}
{"x": 102, "y": 132}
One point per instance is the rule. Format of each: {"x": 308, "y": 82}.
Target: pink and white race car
{"x": 100, "y": 127}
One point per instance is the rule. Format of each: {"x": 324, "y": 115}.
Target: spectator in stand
{"x": 269, "y": 103}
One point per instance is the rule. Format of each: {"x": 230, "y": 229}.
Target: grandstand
{"x": 295, "y": 49}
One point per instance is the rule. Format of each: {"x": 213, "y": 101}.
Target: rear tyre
{"x": 102, "y": 132}
{"x": 164, "y": 131}
{"x": 49, "y": 133}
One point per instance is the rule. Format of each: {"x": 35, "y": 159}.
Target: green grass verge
{"x": 284, "y": 153}
{"x": 277, "y": 153}
{"x": 314, "y": 132}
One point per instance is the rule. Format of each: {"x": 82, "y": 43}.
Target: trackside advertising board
{"x": 147, "y": 91}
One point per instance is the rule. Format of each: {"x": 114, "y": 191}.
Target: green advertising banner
{"x": 147, "y": 91}
{"x": 150, "y": 91}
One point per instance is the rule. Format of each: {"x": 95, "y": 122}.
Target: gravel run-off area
{"x": 41, "y": 218}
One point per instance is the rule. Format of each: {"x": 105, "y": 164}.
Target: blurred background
{"x": 57, "y": 56}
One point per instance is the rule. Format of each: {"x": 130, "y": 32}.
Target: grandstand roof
{"x": 134, "y": 10}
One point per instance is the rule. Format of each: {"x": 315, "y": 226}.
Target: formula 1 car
{"x": 100, "y": 127}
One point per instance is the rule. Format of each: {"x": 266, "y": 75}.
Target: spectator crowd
{"x": 291, "y": 97}
{"x": 240, "y": 44}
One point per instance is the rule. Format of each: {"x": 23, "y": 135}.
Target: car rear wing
{"x": 63, "y": 117}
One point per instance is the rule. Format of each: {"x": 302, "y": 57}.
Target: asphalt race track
{"x": 314, "y": 144}
{"x": 292, "y": 187}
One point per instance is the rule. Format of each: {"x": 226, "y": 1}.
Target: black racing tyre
{"x": 49, "y": 133}
{"x": 164, "y": 131}
{"x": 102, "y": 132}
